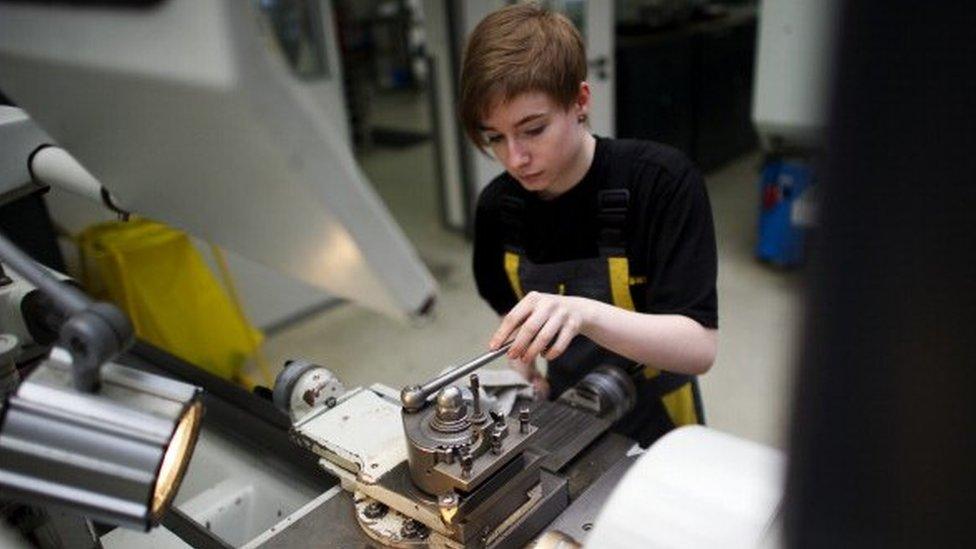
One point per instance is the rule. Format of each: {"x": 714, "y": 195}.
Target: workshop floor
{"x": 747, "y": 392}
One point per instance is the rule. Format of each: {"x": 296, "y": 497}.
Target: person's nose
{"x": 518, "y": 155}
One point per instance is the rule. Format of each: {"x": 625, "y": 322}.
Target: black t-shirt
{"x": 669, "y": 230}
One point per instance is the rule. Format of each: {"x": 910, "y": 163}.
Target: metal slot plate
{"x": 564, "y": 432}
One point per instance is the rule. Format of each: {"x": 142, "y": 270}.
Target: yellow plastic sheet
{"x": 157, "y": 276}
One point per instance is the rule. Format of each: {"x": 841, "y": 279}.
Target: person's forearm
{"x": 674, "y": 343}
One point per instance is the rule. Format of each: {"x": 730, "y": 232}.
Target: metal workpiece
{"x": 414, "y": 397}
{"x": 447, "y": 451}
{"x": 608, "y": 392}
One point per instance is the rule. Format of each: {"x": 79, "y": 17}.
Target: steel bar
{"x": 413, "y": 397}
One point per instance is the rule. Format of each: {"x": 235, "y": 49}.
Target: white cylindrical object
{"x": 695, "y": 488}
{"x": 54, "y": 166}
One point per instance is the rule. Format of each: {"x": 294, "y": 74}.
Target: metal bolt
{"x": 413, "y": 529}
{"x": 450, "y": 404}
{"x": 448, "y": 500}
{"x": 496, "y": 441}
{"x": 476, "y": 393}
{"x": 374, "y": 510}
{"x": 499, "y": 418}
{"x": 524, "y": 421}
{"x": 466, "y": 462}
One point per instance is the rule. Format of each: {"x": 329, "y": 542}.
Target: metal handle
{"x": 414, "y": 396}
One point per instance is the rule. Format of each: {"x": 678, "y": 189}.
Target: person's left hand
{"x": 537, "y": 321}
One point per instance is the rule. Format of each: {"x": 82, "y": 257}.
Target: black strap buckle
{"x": 613, "y": 205}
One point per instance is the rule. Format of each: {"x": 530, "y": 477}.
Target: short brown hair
{"x": 518, "y": 49}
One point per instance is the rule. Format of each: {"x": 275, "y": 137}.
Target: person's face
{"x": 539, "y": 142}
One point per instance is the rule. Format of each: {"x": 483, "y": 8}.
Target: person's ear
{"x": 582, "y": 104}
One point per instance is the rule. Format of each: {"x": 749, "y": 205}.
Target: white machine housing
{"x": 188, "y": 112}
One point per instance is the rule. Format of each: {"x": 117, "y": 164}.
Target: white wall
{"x": 268, "y": 297}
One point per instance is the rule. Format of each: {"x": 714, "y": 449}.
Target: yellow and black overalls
{"x": 664, "y": 400}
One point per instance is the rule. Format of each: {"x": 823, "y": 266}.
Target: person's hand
{"x": 540, "y": 324}
{"x": 541, "y": 386}
{"x": 530, "y": 373}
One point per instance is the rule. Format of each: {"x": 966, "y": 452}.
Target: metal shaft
{"x": 413, "y": 398}
{"x": 65, "y": 297}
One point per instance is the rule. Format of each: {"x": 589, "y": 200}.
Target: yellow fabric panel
{"x": 620, "y": 283}
{"x": 511, "y": 269}
{"x": 651, "y": 373}
{"x": 157, "y": 276}
{"x": 680, "y": 405}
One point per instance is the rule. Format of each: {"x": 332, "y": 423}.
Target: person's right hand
{"x": 531, "y": 374}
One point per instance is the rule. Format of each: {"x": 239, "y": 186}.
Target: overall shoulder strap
{"x": 513, "y": 221}
{"x": 613, "y": 205}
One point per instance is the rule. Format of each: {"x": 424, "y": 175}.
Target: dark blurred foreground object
{"x": 882, "y": 450}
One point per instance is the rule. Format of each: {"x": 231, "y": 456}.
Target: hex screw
{"x": 476, "y": 393}
{"x": 449, "y": 500}
{"x": 466, "y": 462}
{"x": 413, "y": 529}
{"x": 496, "y": 442}
{"x": 499, "y": 419}
{"x": 524, "y": 421}
{"x": 374, "y": 510}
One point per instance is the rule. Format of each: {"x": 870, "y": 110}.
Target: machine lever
{"x": 414, "y": 396}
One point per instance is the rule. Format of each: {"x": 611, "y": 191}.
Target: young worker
{"x": 594, "y": 250}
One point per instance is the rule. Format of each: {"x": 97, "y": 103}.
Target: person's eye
{"x": 492, "y": 139}
{"x": 536, "y": 130}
